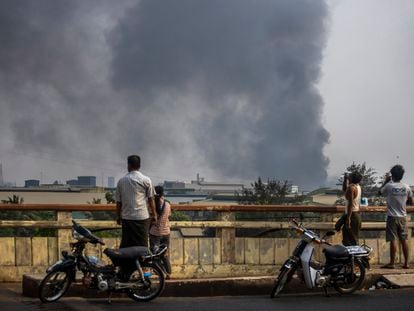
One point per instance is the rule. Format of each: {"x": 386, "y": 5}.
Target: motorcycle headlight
{"x": 77, "y": 236}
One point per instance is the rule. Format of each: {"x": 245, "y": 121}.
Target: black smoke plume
{"x": 221, "y": 87}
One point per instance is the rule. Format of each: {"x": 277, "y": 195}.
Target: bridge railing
{"x": 223, "y": 252}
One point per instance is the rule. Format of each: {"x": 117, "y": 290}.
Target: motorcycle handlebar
{"x": 298, "y": 227}
{"x": 295, "y": 222}
{"x": 319, "y": 241}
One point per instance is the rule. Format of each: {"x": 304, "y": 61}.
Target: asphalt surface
{"x": 401, "y": 299}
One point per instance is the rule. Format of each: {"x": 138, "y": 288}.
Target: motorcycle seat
{"x": 127, "y": 253}
{"x": 336, "y": 251}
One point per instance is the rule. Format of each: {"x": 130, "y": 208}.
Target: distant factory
{"x": 201, "y": 187}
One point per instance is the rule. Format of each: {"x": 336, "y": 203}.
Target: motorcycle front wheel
{"x": 153, "y": 286}
{"x": 353, "y": 278}
{"x": 284, "y": 277}
{"x": 54, "y": 286}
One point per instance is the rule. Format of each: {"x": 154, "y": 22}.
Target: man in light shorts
{"x": 398, "y": 194}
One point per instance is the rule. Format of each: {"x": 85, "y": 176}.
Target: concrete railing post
{"x": 64, "y": 235}
{"x": 228, "y": 238}
{"x": 332, "y": 218}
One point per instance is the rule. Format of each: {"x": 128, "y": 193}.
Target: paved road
{"x": 403, "y": 299}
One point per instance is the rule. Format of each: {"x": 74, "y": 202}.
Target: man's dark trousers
{"x": 135, "y": 232}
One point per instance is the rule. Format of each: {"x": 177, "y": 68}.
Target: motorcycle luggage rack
{"x": 367, "y": 248}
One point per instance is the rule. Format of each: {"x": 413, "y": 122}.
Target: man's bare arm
{"x": 350, "y": 195}
{"x": 118, "y": 212}
{"x": 152, "y": 210}
{"x": 345, "y": 182}
{"x": 387, "y": 179}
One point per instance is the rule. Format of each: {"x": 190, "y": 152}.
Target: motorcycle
{"x": 136, "y": 271}
{"x": 344, "y": 267}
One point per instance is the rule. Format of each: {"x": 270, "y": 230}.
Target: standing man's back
{"x": 398, "y": 194}
{"x": 135, "y": 205}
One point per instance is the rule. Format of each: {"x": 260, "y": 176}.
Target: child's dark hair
{"x": 397, "y": 172}
{"x": 356, "y": 177}
{"x": 159, "y": 192}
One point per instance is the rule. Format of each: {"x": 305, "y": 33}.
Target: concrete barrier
{"x": 225, "y": 255}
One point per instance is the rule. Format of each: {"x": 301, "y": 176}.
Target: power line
{"x": 65, "y": 162}
{"x": 74, "y": 159}
{"x": 57, "y": 154}
{"x": 77, "y": 163}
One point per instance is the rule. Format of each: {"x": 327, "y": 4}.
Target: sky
{"x": 292, "y": 90}
{"x": 367, "y": 85}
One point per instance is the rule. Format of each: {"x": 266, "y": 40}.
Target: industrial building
{"x": 29, "y": 183}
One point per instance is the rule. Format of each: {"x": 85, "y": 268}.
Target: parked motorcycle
{"x": 344, "y": 267}
{"x": 135, "y": 271}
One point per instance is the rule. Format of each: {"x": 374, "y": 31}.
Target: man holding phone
{"x": 350, "y": 222}
{"x": 398, "y": 195}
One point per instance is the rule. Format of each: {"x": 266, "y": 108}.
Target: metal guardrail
{"x": 226, "y": 216}
{"x": 197, "y": 207}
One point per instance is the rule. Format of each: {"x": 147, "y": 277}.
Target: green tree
{"x": 15, "y": 199}
{"x": 99, "y": 215}
{"x": 19, "y": 215}
{"x": 272, "y": 192}
{"x": 95, "y": 201}
{"x": 109, "y": 197}
{"x": 369, "y": 182}
{"x": 179, "y": 216}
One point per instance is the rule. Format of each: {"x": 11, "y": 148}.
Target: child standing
{"x": 160, "y": 232}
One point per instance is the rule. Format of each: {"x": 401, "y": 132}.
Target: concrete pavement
{"x": 397, "y": 299}
{"x": 228, "y": 286}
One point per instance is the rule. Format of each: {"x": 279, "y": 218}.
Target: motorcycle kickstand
{"x": 325, "y": 289}
{"x": 109, "y": 297}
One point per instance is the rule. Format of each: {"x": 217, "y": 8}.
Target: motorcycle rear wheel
{"x": 284, "y": 277}
{"x": 155, "y": 283}
{"x": 357, "y": 279}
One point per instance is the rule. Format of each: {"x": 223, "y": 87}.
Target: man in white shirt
{"x": 398, "y": 194}
{"x": 135, "y": 205}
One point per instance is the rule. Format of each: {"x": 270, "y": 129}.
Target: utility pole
{"x": 1, "y": 175}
